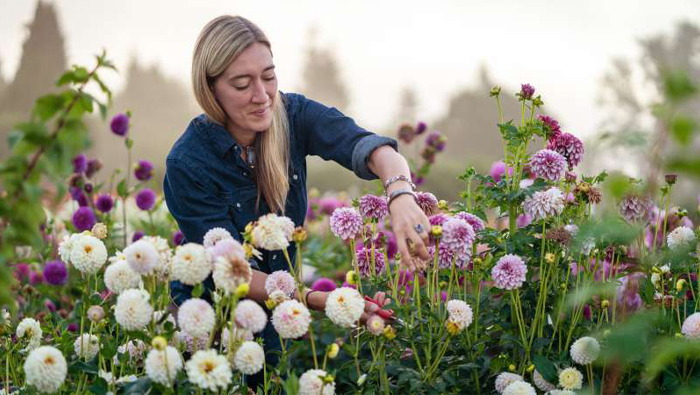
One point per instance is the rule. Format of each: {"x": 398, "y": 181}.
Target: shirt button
{"x": 238, "y": 205}
{"x": 245, "y": 174}
{"x": 295, "y": 177}
{"x": 274, "y": 256}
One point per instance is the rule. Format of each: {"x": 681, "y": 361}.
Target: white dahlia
{"x": 162, "y": 366}
{"x": 570, "y": 379}
{"x": 30, "y": 328}
{"x": 45, "y": 369}
{"x": 345, "y": 306}
{"x": 249, "y": 358}
{"x": 680, "y": 236}
{"x": 165, "y": 255}
{"x": 196, "y": 317}
{"x": 191, "y": 264}
{"x": 230, "y": 271}
{"x": 239, "y": 334}
{"x": 460, "y": 312}
{"x": 280, "y": 280}
{"x": 208, "y": 370}
{"x": 215, "y": 235}
{"x": 142, "y": 257}
{"x": 249, "y": 315}
{"x": 272, "y": 232}
{"x": 291, "y": 319}
{"x": 505, "y": 379}
{"x": 133, "y": 310}
{"x": 87, "y": 346}
{"x": 691, "y": 326}
{"x": 313, "y": 382}
{"x": 88, "y": 254}
{"x": 119, "y": 276}
{"x": 519, "y": 388}
{"x": 66, "y": 246}
{"x": 585, "y": 350}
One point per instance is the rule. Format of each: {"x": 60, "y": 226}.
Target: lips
{"x": 260, "y": 112}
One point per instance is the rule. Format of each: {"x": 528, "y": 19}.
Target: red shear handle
{"x": 386, "y": 314}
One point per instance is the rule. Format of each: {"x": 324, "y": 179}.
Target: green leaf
{"x": 546, "y": 368}
{"x": 682, "y": 129}
{"x": 198, "y": 290}
{"x": 47, "y": 106}
{"x": 140, "y": 386}
{"x": 99, "y": 387}
{"x": 121, "y": 189}
{"x": 678, "y": 86}
{"x": 80, "y": 366}
{"x": 687, "y": 166}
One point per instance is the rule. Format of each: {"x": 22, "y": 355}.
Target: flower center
{"x": 208, "y": 366}
{"x": 88, "y": 249}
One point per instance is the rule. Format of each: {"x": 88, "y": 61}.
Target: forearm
{"x": 385, "y": 162}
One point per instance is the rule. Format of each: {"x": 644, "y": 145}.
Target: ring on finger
{"x": 418, "y": 228}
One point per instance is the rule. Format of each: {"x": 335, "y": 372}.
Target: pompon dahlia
{"x": 570, "y": 379}
{"x": 544, "y": 204}
{"x": 373, "y": 207}
{"x": 509, "y": 272}
{"x": 133, "y": 310}
{"x": 585, "y": 350}
{"x": 548, "y": 165}
{"x": 191, "y": 264}
{"x": 427, "y": 202}
{"x": 438, "y": 219}
{"x": 346, "y": 223}
{"x": 88, "y": 254}
{"x": 460, "y": 312}
{"x": 165, "y": 255}
{"x": 119, "y": 277}
{"x": 45, "y": 369}
{"x": 272, "y": 232}
{"x": 344, "y": 307}
{"x": 162, "y": 366}
{"x": 476, "y": 223}
{"x": 505, "y": 379}
{"x": 87, "y": 346}
{"x": 291, "y": 319}
{"x": 249, "y": 358}
{"x": 196, "y": 317}
{"x": 208, "y": 370}
{"x": 30, "y": 328}
{"x": 230, "y": 271}
{"x": 142, "y": 257}
{"x": 280, "y": 280}
{"x": 569, "y": 146}
{"x": 691, "y": 326}
{"x": 313, "y": 382}
{"x": 520, "y": 388}
{"x": 550, "y": 124}
{"x": 680, "y": 236}
{"x": 249, "y": 315}
{"x": 457, "y": 235}
{"x": 541, "y": 383}
{"x": 225, "y": 247}
{"x": 560, "y": 392}
{"x": 364, "y": 261}
{"x": 634, "y": 207}
{"x": 215, "y": 235}
{"x": 445, "y": 258}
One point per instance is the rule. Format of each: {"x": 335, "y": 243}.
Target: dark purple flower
{"x": 324, "y": 284}
{"x": 80, "y": 163}
{"x": 104, "y": 203}
{"x": 550, "y": 125}
{"x": 145, "y": 199}
{"x": 55, "y": 272}
{"x": 178, "y": 237}
{"x": 421, "y": 127}
{"x": 84, "y": 219}
{"x": 569, "y": 146}
{"x": 120, "y": 124}
{"x": 79, "y": 196}
{"x": 328, "y": 204}
{"x": 526, "y": 91}
{"x": 144, "y": 170}
{"x": 137, "y": 236}
{"x": 72, "y": 327}
{"x": 21, "y": 271}
{"x": 93, "y": 166}
{"x": 438, "y": 219}
{"x": 50, "y": 306}
{"x": 436, "y": 140}
{"x": 35, "y": 278}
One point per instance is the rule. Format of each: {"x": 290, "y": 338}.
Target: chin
{"x": 261, "y": 125}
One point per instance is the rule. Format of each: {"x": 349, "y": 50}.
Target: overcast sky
{"x": 560, "y": 47}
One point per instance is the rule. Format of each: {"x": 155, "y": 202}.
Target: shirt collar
{"x": 217, "y": 135}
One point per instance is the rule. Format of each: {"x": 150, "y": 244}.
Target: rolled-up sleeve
{"x": 331, "y": 135}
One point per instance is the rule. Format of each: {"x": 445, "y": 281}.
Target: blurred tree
{"x": 322, "y": 80}
{"x": 408, "y": 107}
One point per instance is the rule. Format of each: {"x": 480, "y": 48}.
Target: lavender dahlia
{"x": 457, "y": 235}
{"x": 634, "y": 207}
{"x": 346, "y": 223}
{"x": 438, "y": 219}
{"x": 145, "y": 199}
{"x": 427, "y": 202}
{"x": 446, "y": 257}
{"x": 509, "y": 272}
{"x": 548, "y": 165}
{"x": 55, "y": 272}
{"x": 84, "y": 218}
{"x": 373, "y": 207}
{"x": 544, "y": 204}
{"x": 104, "y": 203}
{"x": 476, "y": 222}
{"x": 144, "y": 170}
{"x": 568, "y": 146}
{"x": 364, "y": 261}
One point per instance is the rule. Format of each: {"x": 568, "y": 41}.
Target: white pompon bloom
{"x": 133, "y": 310}
{"x": 191, "y": 264}
{"x": 280, "y": 280}
{"x": 585, "y": 350}
{"x": 87, "y": 346}
{"x": 249, "y": 358}
{"x": 30, "y": 328}
{"x": 291, "y": 319}
{"x": 519, "y": 388}
{"x": 505, "y": 379}
{"x": 230, "y": 271}
{"x": 313, "y": 382}
{"x": 119, "y": 276}
{"x": 570, "y": 379}
{"x": 345, "y": 306}
{"x": 45, "y": 369}
{"x": 272, "y": 232}
{"x": 66, "y": 246}
{"x": 165, "y": 255}
{"x": 680, "y": 236}
{"x": 142, "y": 257}
{"x": 460, "y": 313}
{"x": 196, "y": 317}
{"x": 208, "y": 370}
{"x": 162, "y": 366}
{"x": 249, "y": 315}
{"x": 215, "y": 235}
{"x": 88, "y": 254}
{"x": 560, "y": 392}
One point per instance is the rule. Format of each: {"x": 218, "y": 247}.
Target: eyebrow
{"x": 250, "y": 76}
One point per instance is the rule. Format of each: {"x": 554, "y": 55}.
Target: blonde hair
{"x": 219, "y": 43}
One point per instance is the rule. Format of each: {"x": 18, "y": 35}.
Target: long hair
{"x": 219, "y": 43}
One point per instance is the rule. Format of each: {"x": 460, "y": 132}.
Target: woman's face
{"x": 246, "y": 90}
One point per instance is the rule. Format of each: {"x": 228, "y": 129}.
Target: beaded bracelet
{"x": 399, "y": 192}
{"x": 400, "y": 177}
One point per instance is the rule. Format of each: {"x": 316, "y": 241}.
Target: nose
{"x": 259, "y": 93}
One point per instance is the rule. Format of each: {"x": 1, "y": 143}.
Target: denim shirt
{"x": 207, "y": 184}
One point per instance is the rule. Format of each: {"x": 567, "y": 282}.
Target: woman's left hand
{"x": 405, "y": 215}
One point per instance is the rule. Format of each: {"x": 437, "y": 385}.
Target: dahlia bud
{"x": 159, "y": 343}
{"x": 537, "y": 102}
{"x": 242, "y": 290}
{"x": 436, "y": 231}
{"x": 678, "y": 334}
{"x": 550, "y": 258}
{"x": 332, "y": 350}
{"x": 511, "y": 367}
{"x": 270, "y": 304}
{"x": 389, "y": 332}
{"x": 680, "y": 284}
{"x": 530, "y": 368}
{"x": 99, "y": 230}
{"x": 351, "y": 277}
{"x": 495, "y": 91}
{"x": 443, "y": 205}
{"x": 478, "y": 261}
{"x": 671, "y": 178}
{"x": 328, "y": 379}
{"x": 443, "y": 284}
{"x": 605, "y": 303}
{"x": 299, "y": 234}
{"x": 95, "y": 313}
{"x": 606, "y": 333}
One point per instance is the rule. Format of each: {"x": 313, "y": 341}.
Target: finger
{"x": 386, "y": 301}
{"x": 403, "y": 249}
{"x": 419, "y": 245}
{"x": 379, "y": 297}
{"x": 370, "y": 307}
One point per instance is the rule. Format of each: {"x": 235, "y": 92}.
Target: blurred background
{"x": 595, "y": 63}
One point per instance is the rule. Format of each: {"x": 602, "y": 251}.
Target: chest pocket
{"x": 241, "y": 205}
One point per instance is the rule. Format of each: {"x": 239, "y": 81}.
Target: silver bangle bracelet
{"x": 400, "y": 177}
{"x": 398, "y": 193}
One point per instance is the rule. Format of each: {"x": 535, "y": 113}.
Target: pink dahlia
{"x": 509, "y": 272}
{"x": 373, "y": 207}
{"x": 498, "y": 169}
{"x": 568, "y": 146}
{"x": 634, "y": 207}
{"x": 548, "y": 165}
{"x": 457, "y": 235}
{"x": 427, "y": 202}
{"x": 364, "y": 261}
{"x": 438, "y": 219}
{"x": 346, "y": 223}
{"x": 544, "y": 204}
{"x": 476, "y": 222}
{"x": 550, "y": 125}
{"x": 526, "y": 91}
{"x": 446, "y": 256}
{"x": 280, "y": 280}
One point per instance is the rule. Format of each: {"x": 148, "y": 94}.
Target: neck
{"x": 243, "y": 138}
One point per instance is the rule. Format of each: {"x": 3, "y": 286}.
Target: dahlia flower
{"x": 30, "y": 328}
{"x": 344, "y": 307}
{"x": 87, "y": 346}
{"x": 373, "y": 207}
{"x": 634, "y": 207}
{"x": 680, "y": 236}
{"x": 196, "y": 317}
{"x": 509, "y": 272}
{"x": 457, "y": 235}
{"x": 191, "y": 264}
{"x": 280, "y": 280}
{"x": 364, "y": 261}
{"x": 570, "y": 379}
{"x": 346, "y": 223}
{"x": 548, "y": 165}
{"x": 230, "y": 271}
{"x": 249, "y": 315}
{"x": 291, "y": 319}
{"x": 133, "y": 310}
{"x": 88, "y": 254}
{"x": 215, "y": 235}
{"x": 249, "y": 358}
{"x": 691, "y": 326}
{"x": 272, "y": 232}
{"x": 313, "y": 382}
{"x": 119, "y": 277}
{"x": 142, "y": 257}
{"x": 544, "y": 204}
{"x": 45, "y": 369}
{"x": 162, "y": 366}
{"x": 504, "y": 379}
{"x": 208, "y": 370}
{"x": 519, "y": 388}
{"x": 541, "y": 383}
{"x": 569, "y": 146}
{"x": 476, "y": 223}
{"x": 585, "y": 350}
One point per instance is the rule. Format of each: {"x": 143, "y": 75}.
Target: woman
{"x": 245, "y": 156}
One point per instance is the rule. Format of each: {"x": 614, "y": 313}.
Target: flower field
{"x": 541, "y": 279}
